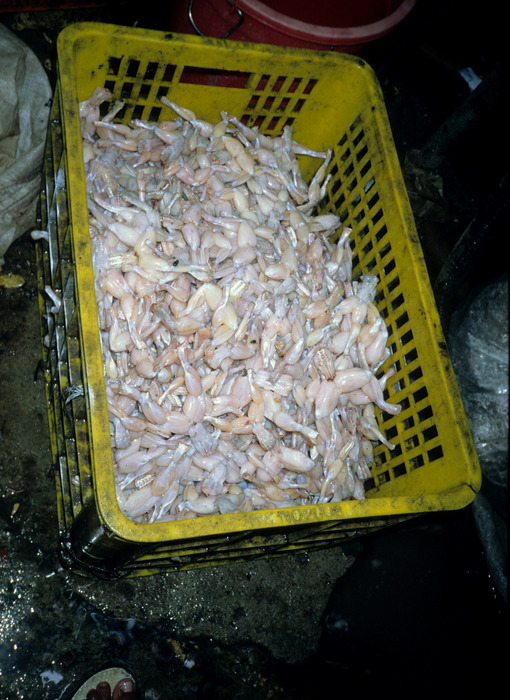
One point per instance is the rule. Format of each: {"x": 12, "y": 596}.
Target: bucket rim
{"x": 324, "y": 35}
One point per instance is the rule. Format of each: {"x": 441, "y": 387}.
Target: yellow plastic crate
{"x": 332, "y": 101}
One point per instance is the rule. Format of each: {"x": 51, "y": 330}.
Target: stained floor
{"x": 408, "y": 609}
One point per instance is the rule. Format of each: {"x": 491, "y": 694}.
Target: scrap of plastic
{"x": 24, "y": 112}
{"x": 11, "y": 281}
{"x": 471, "y": 78}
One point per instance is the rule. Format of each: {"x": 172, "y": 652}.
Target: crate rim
{"x": 80, "y": 29}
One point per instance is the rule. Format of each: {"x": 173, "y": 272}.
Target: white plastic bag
{"x": 25, "y": 99}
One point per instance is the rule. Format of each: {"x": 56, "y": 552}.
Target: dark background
{"x": 417, "y": 612}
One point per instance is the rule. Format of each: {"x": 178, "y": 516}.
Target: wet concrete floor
{"x": 410, "y": 607}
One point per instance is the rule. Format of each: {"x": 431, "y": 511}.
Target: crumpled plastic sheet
{"x": 24, "y": 111}
{"x": 494, "y": 537}
{"x": 478, "y": 341}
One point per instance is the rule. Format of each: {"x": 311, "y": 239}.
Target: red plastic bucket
{"x": 343, "y": 25}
